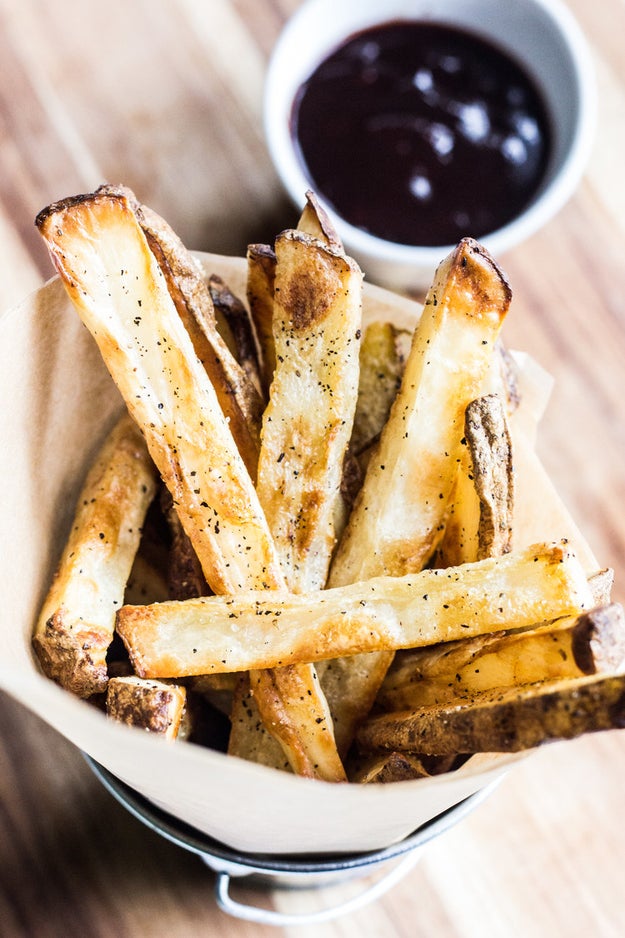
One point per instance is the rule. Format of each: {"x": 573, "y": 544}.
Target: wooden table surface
{"x": 166, "y": 97}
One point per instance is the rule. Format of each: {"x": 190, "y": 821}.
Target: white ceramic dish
{"x": 540, "y": 34}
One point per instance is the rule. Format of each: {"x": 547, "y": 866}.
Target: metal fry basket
{"x": 290, "y": 872}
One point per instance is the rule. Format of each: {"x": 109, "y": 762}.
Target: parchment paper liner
{"x": 58, "y": 402}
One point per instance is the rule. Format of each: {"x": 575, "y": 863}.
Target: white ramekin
{"x": 540, "y": 34}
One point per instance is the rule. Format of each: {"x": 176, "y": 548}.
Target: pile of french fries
{"x": 319, "y": 517}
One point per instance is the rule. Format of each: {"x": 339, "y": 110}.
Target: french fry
{"x": 488, "y": 440}
{"x": 478, "y": 525}
{"x": 382, "y": 363}
{"x": 237, "y": 394}
{"x": 391, "y": 767}
{"x": 460, "y": 541}
{"x": 110, "y": 274}
{"x": 77, "y": 620}
{"x": 316, "y": 222}
{"x": 261, "y": 272}
{"x": 571, "y": 648}
{"x": 386, "y": 767}
{"x": 249, "y": 738}
{"x": 508, "y": 720}
{"x": 258, "y": 630}
{"x": 308, "y": 421}
{"x": 398, "y": 518}
{"x": 294, "y": 710}
{"x": 238, "y": 325}
{"x": 304, "y": 438}
{"x": 383, "y": 353}
{"x": 150, "y": 705}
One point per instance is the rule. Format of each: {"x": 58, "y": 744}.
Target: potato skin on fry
{"x": 77, "y": 621}
{"x": 488, "y": 439}
{"x": 508, "y": 720}
{"x": 150, "y": 705}
{"x": 598, "y": 640}
{"x": 394, "y": 767}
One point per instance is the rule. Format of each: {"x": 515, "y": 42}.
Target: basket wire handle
{"x": 262, "y": 916}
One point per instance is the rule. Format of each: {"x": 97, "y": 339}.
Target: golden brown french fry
{"x": 238, "y": 325}
{"x": 238, "y": 396}
{"x": 570, "y": 648}
{"x": 249, "y": 738}
{"x": 507, "y": 720}
{"x": 261, "y": 630}
{"x": 308, "y": 421}
{"x": 120, "y": 293}
{"x": 294, "y": 710}
{"x": 316, "y": 222}
{"x": 398, "y": 517}
{"x": 383, "y": 352}
{"x": 397, "y": 520}
{"x": 110, "y": 274}
{"x": 261, "y": 271}
{"x": 479, "y": 525}
{"x": 460, "y": 541}
{"x": 77, "y": 621}
{"x": 153, "y": 706}
{"x": 317, "y": 317}
{"x": 382, "y": 363}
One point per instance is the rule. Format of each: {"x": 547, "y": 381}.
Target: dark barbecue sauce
{"x": 422, "y": 134}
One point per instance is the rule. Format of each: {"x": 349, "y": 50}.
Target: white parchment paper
{"x": 57, "y": 403}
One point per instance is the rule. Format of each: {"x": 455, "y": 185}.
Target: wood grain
{"x": 166, "y": 97}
